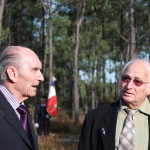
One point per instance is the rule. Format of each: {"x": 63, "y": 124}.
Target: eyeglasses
{"x": 136, "y": 82}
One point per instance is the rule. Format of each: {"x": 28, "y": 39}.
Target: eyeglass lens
{"x": 127, "y": 79}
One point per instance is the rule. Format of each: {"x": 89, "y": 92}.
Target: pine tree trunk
{"x": 77, "y": 38}
{"x": 149, "y": 28}
{"x": 43, "y": 51}
{"x": 50, "y": 43}
{"x": 2, "y": 5}
{"x": 132, "y": 41}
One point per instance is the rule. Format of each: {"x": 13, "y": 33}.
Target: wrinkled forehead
{"x": 30, "y": 58}
{"x": 33, "y": 62}
{"x": 137, "y": 70}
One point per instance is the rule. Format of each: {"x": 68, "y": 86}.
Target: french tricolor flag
{"x": 52, "y": 99}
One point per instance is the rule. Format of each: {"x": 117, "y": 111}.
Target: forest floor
{"x": 64, "y": 134}
{"x": 57, "y": 142}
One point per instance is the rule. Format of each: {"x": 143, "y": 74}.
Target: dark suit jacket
{"x": 99, "y": 127}
{"x": 12, "y": 134}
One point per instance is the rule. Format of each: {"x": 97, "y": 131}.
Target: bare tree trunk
{"x": 43, "y": 51}
{"x": 92, "y": 86}
{"x": 101, "y": 85}
{"x": 77, "y": 38}
{"x": 2, "y": 5}
{"x": 104, "y": 80}
{"x": 149, "y": 28}
{"x": 86, "y": 102}
{"x": 132, "y": 41}
{"x": 121, "y": 40}
{"x": 93, "y": 99}
{"x": 50, "y": 42}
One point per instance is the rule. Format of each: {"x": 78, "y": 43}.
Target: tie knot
{"x": 21, "y": 110}
{"x": 131, "y": 112}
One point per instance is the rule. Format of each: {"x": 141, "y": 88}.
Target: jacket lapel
{"x": 32, "y": 135}
{"x": 149, "y": 132}
{"x": 11, "y": 117}
{"x": 108, "y": 128}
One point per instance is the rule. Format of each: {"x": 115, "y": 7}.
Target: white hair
{"x": 147, "y": 66}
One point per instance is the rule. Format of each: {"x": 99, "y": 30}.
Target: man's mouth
{"x": 127, "y": 93}
{"x": 35, "y": 86}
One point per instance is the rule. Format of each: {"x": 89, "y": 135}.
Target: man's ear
{"x": 12, "y": 73}
{"x": 148, "y": 91}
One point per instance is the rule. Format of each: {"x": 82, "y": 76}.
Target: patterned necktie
{"x": 23, "y": 117}
{"x": 127, "y": 136}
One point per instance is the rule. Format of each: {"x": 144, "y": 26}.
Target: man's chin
{"x": 32, "y": 94}
{"x": 127, "y": 99}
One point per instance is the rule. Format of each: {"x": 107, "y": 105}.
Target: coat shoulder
{"x": 103, "y": 110}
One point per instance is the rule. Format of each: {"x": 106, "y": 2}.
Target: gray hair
{"x": 9, "y": 57}
{"x": 147, "y": 66}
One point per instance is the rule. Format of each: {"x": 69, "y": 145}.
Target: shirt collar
{"x": 144, "y": 108}
{"x": 10, "y": 97}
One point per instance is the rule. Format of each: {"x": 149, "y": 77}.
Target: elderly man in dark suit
{"x": 19, "y": 77}
{"x": 125, "y": 124}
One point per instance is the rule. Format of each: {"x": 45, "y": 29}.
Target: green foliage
{"x": 83, "y": 91}
{"x": 4, "y": 35}
{"x": 104, "y": 35}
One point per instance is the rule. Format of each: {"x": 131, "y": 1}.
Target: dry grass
{"x": 64, "y": 133}
{"x": 51, "y": 143}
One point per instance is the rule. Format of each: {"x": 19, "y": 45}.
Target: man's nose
{"x": 40, "y": 76}
{"x": 130, "y": 84}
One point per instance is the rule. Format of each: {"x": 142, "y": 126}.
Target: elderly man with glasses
{"x": 125, "y": 124}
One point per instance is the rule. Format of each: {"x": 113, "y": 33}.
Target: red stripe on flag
{"x": 52, "y": 102}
